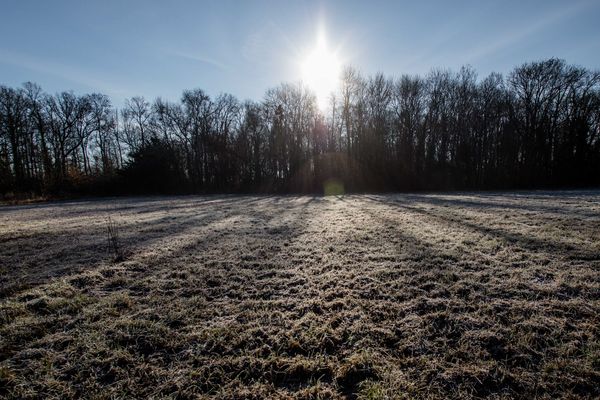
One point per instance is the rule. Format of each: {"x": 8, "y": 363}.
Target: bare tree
{"x": 539, "y": 127}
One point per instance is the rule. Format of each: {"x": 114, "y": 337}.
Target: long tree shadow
{"x": 527, "y": 242}
{"x": 262, "y": 217}
{"x": 217, "y": 233}
{"x": 490, "y": 201}
{"x": 416, "y": 247}
{"x": 39, "y": 257}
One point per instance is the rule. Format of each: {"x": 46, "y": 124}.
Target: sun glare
{"x": 321, "y": 71}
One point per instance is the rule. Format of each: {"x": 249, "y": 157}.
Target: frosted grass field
{"x": 491, "y": 295}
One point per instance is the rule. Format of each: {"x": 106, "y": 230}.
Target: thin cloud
{"x": 514, "y": 36}
{"x": 446, "y": 33}
{"x": 202, "y": 59}
{"x": 63, "y": 71}
{"x": 254, "y": 47}
{"x": 267, "y": 45}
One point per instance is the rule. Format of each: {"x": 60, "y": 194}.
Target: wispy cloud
{"x": 200, "y": 58}
{"x": 516, "y": 35}
{"x": 253, "y": 46}
{"x": 67, "y": 72}
{"x": 268, "y": 45}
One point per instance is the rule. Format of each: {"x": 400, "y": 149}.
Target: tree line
{"x": 537, "y": 127}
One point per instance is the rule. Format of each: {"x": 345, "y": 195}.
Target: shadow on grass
{"x": 527, "y": 242}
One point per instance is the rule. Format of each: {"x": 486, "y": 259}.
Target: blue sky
{"x": 158, "y": 48}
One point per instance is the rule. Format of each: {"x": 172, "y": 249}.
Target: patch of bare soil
{"x": 369, "y": 297}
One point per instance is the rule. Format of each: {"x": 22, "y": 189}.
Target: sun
{"x": 321, "y": 71}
